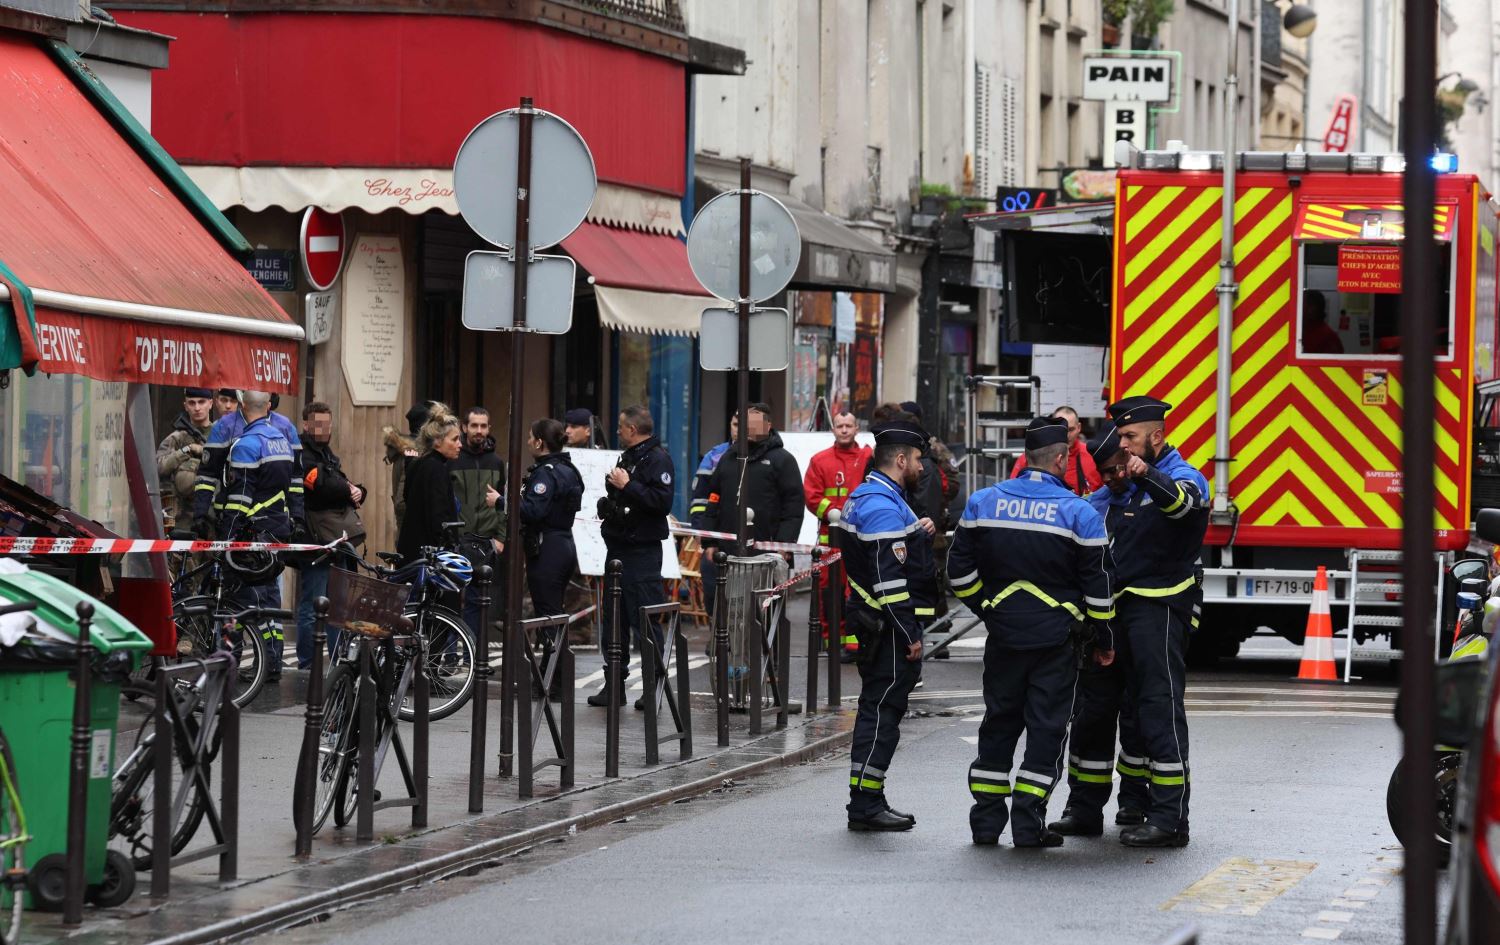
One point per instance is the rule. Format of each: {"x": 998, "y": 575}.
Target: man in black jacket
{"x": 638, "y": 496}
{"x": 770, "y": 483}
{"x": 479, "y": 483}
{"x": 332, "y": 504}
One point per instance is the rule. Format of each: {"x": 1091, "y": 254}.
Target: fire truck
{"x": 1310, "y": 474}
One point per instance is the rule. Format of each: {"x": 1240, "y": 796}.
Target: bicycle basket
{"x": 361, "y": 604}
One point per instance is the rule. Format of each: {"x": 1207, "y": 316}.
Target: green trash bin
{"x": 36, "y": 712}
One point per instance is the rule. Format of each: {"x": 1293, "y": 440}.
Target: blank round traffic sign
{"x": 562, "y": 178}
{"x": 713, "y": 246}
{"x": 322, "y": 245}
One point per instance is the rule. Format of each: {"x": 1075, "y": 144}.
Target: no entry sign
{"x": 322, "y": 247}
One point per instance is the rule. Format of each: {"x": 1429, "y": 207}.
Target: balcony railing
{"x": 665, "y": 14}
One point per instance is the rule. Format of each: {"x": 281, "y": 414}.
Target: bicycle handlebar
{"x": 18, "y": 607}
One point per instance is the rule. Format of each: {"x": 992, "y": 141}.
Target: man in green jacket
{"x": 179, "y": 454}
{"x": 479, "y": 483}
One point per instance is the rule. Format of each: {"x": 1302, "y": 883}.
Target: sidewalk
{"x": 275, "y": 890}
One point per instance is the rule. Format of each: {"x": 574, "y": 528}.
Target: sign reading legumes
{"x": 374, "y": 350}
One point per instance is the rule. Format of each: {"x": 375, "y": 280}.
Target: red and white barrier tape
{"x": 760, "y": 545}
{"x": 799, "y": 577}
{"x": 136, "y": 546}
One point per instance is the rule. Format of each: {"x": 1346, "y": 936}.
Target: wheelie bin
{"x": 37, "y": 688}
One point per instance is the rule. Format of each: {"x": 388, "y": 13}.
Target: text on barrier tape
{"x": 137, "y": 546}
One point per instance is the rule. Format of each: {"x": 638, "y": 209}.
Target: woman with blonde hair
{"x": 428, "y": 489}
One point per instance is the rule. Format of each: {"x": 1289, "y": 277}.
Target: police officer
{"x": 550, "y": 498}
{"x": 638, "y": 496}
{"x": 258, "y": 504}
{"x": 1102, "y": 695}
{"x": 211, "y": 469}
{"x": 1030, "y": 556}
{"x": 1156, "y": 564}
{"x": 888, "y": 559}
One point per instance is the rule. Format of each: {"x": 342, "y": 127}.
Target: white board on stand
{"x": 1071, "y": 376}
{"x": 803, "y": 447}
{"x": 594, "y": 466}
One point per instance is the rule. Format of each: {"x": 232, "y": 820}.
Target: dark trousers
{"x": 709, "y": 573}
{"x": 1156, "y": 629}
{"x": 886, "y": 680}
{"x": 1102, "y": 702}
{"x": 547, "y": 572}
{"x": 267, "y": 595}
{"x": 640, "y": 586}
{"x": 1030, "y": 691}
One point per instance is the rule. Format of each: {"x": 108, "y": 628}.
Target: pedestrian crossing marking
{"x": 1240, "y": 886}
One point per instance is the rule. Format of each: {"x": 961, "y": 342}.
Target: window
{"x": 1351, "y": 293}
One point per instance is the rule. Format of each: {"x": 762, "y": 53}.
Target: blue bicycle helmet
{"x": 454, "y": 572}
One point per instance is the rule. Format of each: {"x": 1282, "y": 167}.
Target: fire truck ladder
{"x": 990, "y": 436}
{"x": 1375, "y": 605}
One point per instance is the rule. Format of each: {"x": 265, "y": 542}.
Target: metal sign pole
{"x": 521, "y": 253}
{"x": 1420, "y": 299}
{"x": 742, "y": 440}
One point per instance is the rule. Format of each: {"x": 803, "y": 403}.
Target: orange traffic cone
{"x": 1317, "y": 644}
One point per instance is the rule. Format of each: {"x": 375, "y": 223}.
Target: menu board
{"x": 374, "y": 343}
{"x": 1072, "y": 376}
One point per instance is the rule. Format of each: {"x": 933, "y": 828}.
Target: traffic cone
{"x": 1317, "y": 644}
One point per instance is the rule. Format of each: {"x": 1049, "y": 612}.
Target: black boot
{"x": 601, "y": 698}
{"x": 1148, "y": 835}
{"x": 881, "y": 820}
{"x": 1126, "y": 817}
{"x": 1078, "y": 823}
{"x": 1049, "y": 838}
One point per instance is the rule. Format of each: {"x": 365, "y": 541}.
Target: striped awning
{"x": 1367, "y": 221}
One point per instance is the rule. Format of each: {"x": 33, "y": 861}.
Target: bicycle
{"x": 200, "y": 618}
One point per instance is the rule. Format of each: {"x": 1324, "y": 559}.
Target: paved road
{"x": 1290, "y": 844}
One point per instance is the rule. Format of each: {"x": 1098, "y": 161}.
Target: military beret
{"x": 1104, "y": 446}
{"x": 1138, "y": 410}
{"x": 578, "y": 417}
{"x": 899, "y": 433}
{"x": 198, "y": 392}
{"x": 229, "y": 392}
{"x": 1046, "y": 431}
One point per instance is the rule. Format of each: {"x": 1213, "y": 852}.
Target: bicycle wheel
{"x": 132, "y": 796}
{"x": 199, "y": 637}
{"x": 335, "y": 741}
{"x": 450, "y": 662}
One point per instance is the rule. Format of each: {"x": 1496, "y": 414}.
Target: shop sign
{"x": 1127, "y": 78}
{"x": 1340, "y": 125}
{"x": 272, "y": 268}
{"x": 1374, "y": 269}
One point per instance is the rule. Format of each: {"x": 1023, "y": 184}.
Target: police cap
{"x": 1046, "y": 431}
{"x": 578, "y": 417}
{"x": 900, "y": 433}
{"x": 229, "y": 392}
{"x": 1138, "y": 410}
{"x": 1104, "y": 446}
{"x": 203, "y": 392}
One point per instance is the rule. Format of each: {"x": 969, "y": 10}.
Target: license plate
{"x": 1279, "y": 587}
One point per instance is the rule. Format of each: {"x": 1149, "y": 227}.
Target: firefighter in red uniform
{"x": 831, "y": 476}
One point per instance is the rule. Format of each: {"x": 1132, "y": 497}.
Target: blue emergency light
{"x": 1444, "y": 163}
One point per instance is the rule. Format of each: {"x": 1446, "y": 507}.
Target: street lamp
{"x": 1300, "y": 20}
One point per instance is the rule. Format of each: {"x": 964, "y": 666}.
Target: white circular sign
{"x": 562, "y": 178}
{"x": 713, "y": 246}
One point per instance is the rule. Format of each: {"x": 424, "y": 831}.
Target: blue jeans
{"x": 313, "y": 584}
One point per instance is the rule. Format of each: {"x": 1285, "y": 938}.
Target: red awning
{"x": 127, "y": 284}
{"x": 629, "y": 259}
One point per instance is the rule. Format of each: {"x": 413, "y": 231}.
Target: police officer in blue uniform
{"x": 1156, "y": 549}
{"x": 1102, "y": 696}
{"x": 258, "y": 504}
{"x": 551, "y": 495}
{"x": 211, "y": 471}
{"x": 1030, "y": 556}
{"x": 888, "y": 559}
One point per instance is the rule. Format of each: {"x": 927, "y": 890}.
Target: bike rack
{"x": 770, "y": 608}
{"x": 413, "y": 771}
{"x": 304, "y": 792}
{"x": 481, "y": 697}
{"x": 172, "y": 729}
{"x": 656, "y": 675}
{"x": 557, "y": 664}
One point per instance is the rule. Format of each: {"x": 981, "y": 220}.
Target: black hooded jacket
{"x": 773, "y": 489}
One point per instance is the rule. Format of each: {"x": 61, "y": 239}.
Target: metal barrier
{"x": 557, "y": 664}
{"x": 304, "y": 792}
{"x": 815, "y": 631}
{"x": 770, "y": 608}
{"x": 413, "y": 771}
{"x": 835, "y": 612}
{"x": 481, "y": 697}
{"x": 656, "y": 677}
{"x": 78, "y": 768}
{"x": 614, "y": 670}
{"x": 721, "y": 648}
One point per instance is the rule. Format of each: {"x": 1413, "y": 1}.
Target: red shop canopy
{"x": 127, "y": 284}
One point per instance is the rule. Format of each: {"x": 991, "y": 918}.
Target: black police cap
{"x": 1138, "y": 410}
{"x": 899, "y": 433}
{"x": 1046, "y": 431}
{"x": 1104, "y": 446}
{"x": 578, "y": 417}
{"x": 204, "y": 392}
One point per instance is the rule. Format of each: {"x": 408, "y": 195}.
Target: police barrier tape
{"x": 799, "y": 577}
{"x": 730, "y": 536}
{"x": 136, "y": 546}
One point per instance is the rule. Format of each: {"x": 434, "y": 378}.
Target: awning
{"x": 125, "y": 282}
{"x": 1317, "y": 220}
{"x": 1090, "y": 219}
{"x": 642, "y": 280}
{"x": 836, "y": 255}
{"x": 412, "y": 190}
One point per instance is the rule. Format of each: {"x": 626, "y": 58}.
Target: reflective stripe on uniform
{"x": 880, "y": 602}
{"x": 1158, "y": 591}
{"x": 1036, "y": 592}
{"x": 983, "y": 781}
{"x": 251, "y": 510}
{"x": 1034, "y": 527}
{"x": 1131, "y": 766}
{"x": 1089, "y": 777}
{"x": 1174, "y": 773}
{"x": 822, "y": 508}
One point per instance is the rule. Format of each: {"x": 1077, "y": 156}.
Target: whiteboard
{"x": 1071, "y": 375}
{"x": 593, "y": 466}
{"x": 804, "y": 446}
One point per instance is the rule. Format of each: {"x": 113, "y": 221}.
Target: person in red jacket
{"x": 831, "y": 476}
{"x": 1082, "y": 476}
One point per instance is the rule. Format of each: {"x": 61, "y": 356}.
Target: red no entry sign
{"x": 322, "y": 247}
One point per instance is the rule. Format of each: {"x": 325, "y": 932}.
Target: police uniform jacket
{"x": 1031, "y": 558}
{"x": 1158, "y": 528}
{"x": 888, "y": 557}
{"x": 257, "y": 497}
{"x": 551, "y": 495}
{"x": 212, "y": 468}
{"x": 646, "y": 499}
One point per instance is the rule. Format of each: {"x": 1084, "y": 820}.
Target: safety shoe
{"x": 986, "y": 839}
{"x": 1126, "y": 817}
{"x": 882, "y": 820}
{"x": 1149, "y": 835}
{"x": 1049, "y": 838}
{"x": 601, "y": 698}
{"x": 891, "y": 810}
{"x": 1078, "y": 824}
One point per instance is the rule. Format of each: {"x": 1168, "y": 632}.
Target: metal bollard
{"x": 835, "y": 611}
{"x": 783, "y": 651}
{"x": 649, "y": 657}
{"x": 814, "y": 631}
{"x": 569, "y": 693}
{"x": 482, "y": 673}
{"x": 755, "y": 659}
{"x": 518, "y": 643}
{"x": 364, "y": 785}
{"x": 161, "y": 790}
{"x": 614, "y": 671}
{"x": 229, "y": 786}
{"x": 684, "y": 698}
{"x": 305, "y": 791}
{"x": 422, "y": 708}
{"x": 78, "y": 767}
{"x": 721, "y": 647}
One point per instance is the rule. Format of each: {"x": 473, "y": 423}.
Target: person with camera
{"x": 551, "y": 496}
{"x": 638, "y": 497}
